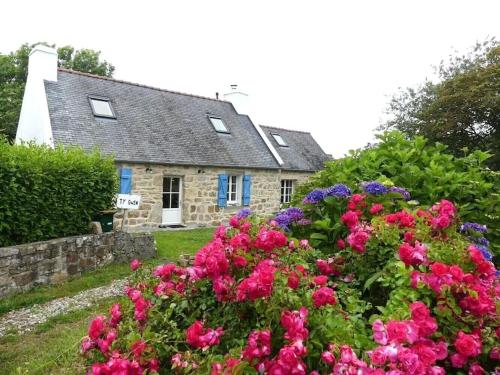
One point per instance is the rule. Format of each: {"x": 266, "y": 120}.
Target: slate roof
{"x": 152, "y": 125}
{"x": 302, "y": 152}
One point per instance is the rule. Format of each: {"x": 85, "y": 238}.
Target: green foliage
{"x": 48, "y": 193}
{"x": 427, "y": 171}
{"x": 84, "y": 60}
{"x": 462, "y": 110}
{"x": 14, "y": 71}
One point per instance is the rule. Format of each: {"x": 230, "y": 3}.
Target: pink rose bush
{"x": 362, "y": 283}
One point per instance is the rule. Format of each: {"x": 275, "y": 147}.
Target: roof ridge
{"x": 137, "y": 84}
{"x": 290, "y": 130}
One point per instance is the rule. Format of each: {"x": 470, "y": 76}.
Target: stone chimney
{"x": 239, "y": 100}
{"x": 34, "y": 121}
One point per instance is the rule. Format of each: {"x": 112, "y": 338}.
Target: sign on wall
{"x": 128, "y": 201}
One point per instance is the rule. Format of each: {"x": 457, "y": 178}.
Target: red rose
{"x": 293, "y": 280}
{"x": 468, "y": 345}
{"x": 376, "y": 208}
{"x": 320, "y": 280}
{"x": 323, "y": 296}
{"x": 439, "y": 269}
{"x": 97, "y": 327}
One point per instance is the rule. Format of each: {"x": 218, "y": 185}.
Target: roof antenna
{"x": 217, "y": 95}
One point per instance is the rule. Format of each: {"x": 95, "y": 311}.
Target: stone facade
{"x": 199, "y": 194}
{"x": 54, "y": 261}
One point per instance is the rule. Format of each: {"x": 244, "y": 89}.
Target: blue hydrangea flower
{"x": 283, "y": 220}
{"x": 486, "y": 254}
{"x": 289, "y": 216}
{"x": 476, "y": 227}
{"x": 480, "y": 241}
{"x": 243, "y": 213}
{"x": 374, "y": 187}
{"x": 314, "y": 197}
{"x": 405, "y": 193}
{"x": 294, "y": 213}
{"x": 338, "y": 190}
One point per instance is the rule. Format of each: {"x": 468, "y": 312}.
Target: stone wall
{"x": 199, "y": 194}
{"x": 54, "y": 261}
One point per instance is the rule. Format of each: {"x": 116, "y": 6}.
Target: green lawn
{"x": 170, "y": 245}
{"x": 53, "y": 348}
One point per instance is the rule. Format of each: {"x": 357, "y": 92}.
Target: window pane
{"x": 175, "y": 200}
{"x": 102, "y": 108}
{"x": 166, "y": 184}
{"x": 218, "y": 124}
{"x": 175, "y": 184}
{"x": 166, "y": 200}
{"x": 279, "y": 139}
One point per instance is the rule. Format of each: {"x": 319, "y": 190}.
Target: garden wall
{"x": 54, "y": 261}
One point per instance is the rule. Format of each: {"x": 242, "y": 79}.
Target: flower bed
{"x": 388, "y": 288}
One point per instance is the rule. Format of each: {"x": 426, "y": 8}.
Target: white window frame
{"x": 237, "y": 192}
{"x": 279, "y": 140}
{"x": 219, "y": 124}
{"x": 93, "y": 99}
{"x": 286, "y": 191}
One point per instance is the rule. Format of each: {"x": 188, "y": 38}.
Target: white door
{"x": 172, "y": 211}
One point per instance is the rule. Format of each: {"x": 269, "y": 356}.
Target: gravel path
{"x": 24, "y": 320}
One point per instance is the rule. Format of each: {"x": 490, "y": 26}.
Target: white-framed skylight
{"x": 101, "y": 107}
{"x": 218, "y": 124}
{"x": 279, "y": 139}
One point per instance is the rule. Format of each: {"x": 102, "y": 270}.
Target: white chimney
{"x": 34, "y": 121}
{"x": 242, "y": 105}
{"x": 239, "y": 100}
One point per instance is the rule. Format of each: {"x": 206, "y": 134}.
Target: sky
{"x": 326, "y": 67}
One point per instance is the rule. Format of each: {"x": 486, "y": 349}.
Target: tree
{"x": 461, "y": 110}
{"x": 14, "y": 71}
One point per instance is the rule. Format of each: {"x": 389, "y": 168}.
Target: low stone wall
{"x": 50, "y": 262}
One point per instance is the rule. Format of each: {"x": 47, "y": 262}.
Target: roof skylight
{"x": 218, "y": 125}
{"x": 280, "y": 140}
{"x": 101, "y": 107}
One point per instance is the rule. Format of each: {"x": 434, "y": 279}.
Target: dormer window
{"x": 279, "y": 140}
{"x": 101, "y": 107}
{"x": 218, "y": 124}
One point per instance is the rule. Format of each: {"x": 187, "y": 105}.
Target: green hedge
{"x": 48, "y": 193}
{"x": 427, "y": 170}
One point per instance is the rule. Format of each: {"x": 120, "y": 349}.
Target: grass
{"x": 171, "y": 244}
{"x": 53, "y": 347}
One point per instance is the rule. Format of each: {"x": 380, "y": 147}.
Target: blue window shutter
{"x": 125, "y": 180}
{"x": 222, "y": 196}
{"x": 247, "y": 183}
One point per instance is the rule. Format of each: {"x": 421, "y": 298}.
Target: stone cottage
{"x": 193, "y": 160}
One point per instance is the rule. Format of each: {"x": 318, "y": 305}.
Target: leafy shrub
{"x": 48, "y": 193}
{"x": 257, "y": 301}
{"x": 427, "y": 171}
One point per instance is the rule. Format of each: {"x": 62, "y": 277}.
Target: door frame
{"x": 181, "y": 186}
